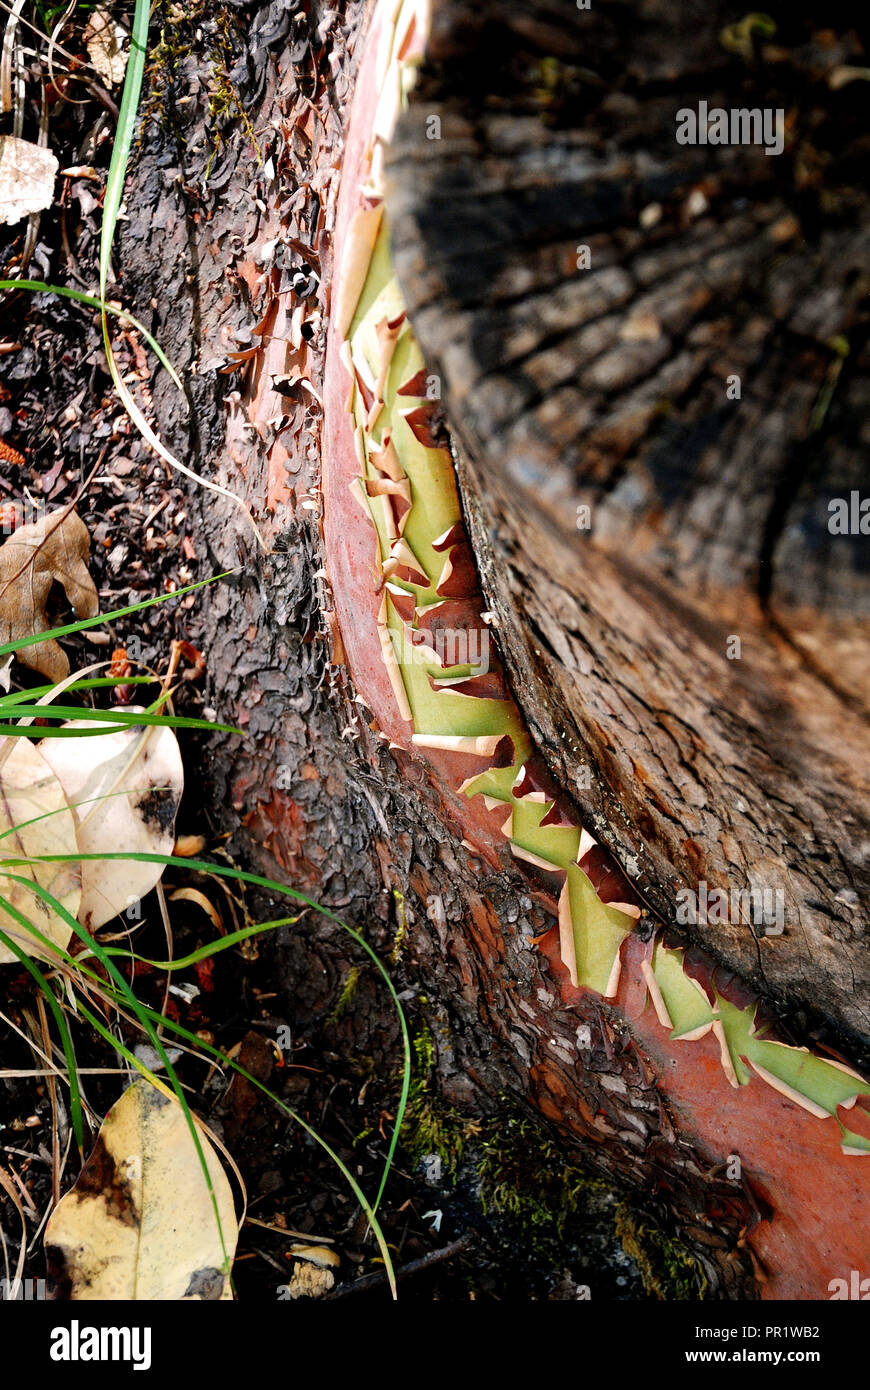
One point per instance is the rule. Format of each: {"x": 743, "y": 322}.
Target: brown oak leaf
{"x": 54, "y": 549}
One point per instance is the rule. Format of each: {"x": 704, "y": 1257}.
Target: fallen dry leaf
{"x": 106, "y": 42}
{"x": 193, "y": 895}
{"x": 317, "y": 1255}
{"x": 53, "y": 549}
{"x": 189, "y": 846}
{"x": 27, "y": 174}
{"x": 32, "y": 799}
{"x": 139, "y": 1222}
{"x": 145, "y": 765}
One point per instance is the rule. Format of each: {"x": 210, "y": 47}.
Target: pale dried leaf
{"x": 27, "y": 174}
{"x": 139, "y": 1223}
{"x": 54, "y": 549}
{"x": 145, "y": 765}
{"x": 30, "y": 792}
{"x": 106, "y": 43}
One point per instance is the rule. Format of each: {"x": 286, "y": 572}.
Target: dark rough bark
{"x": 606, "y": 387}
{"x": 662, "y": 720}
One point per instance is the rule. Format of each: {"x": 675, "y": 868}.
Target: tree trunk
{"x": 742, "y": 765}
{"x": 556, "y": 131}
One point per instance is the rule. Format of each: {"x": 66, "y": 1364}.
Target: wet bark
{"x": 696, "y": 772}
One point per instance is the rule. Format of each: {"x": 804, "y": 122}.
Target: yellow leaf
{"x": 139, "y": 1223}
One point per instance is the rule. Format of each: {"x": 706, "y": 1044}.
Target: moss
{"x": 401, "y": 927}
{"x": 424, "y": 1051}
{"x": 348, "y": 990}
{"x": 431, "y": 1126}
{"x": 527, "y": 1177}
{"x": 189, "y": 28}
{"x": 525, "y": 1174}
{"x": 668, "y": 1270}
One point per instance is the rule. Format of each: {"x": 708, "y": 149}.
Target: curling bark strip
{"x": 403, "y": 577}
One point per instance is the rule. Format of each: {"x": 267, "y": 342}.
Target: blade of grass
{"x": 132, "y": 1003}
{"x": 57, "y": 1014}
{"x": 143, "y": 1016}
{"x": 202, "y": 952}
{"x": 120, "y": 718}
{"x": 37, "y": 732}
{"x": 92, "y": 683}
{"x": 39, "y": 287}
{"x": 123, "y": 138}
{"x": 111, "y": 207}
{"x": 17, "y": 697}
{"x": 99, "y": 618}
{"x": 257, "y": 880}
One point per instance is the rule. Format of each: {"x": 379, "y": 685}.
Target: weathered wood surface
{"x": 312, "y": 794}
{"x": 607, "y": 387}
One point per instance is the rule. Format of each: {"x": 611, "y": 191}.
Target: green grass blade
{"x": 37, "y": 732}
{"x": 75, "y": 1098}
{"x": 133, "y": 1004}
{"x": 257, "y": 880}
{"x": 144, "y": 1015}
{"x": 223, "y": 943}
{"x": 17, "y": 697}
{"x": 39, "y": 287}
{"x": 120, "y": 718}
{"x": 123, "y": 139}
{"x": 99, "y": 618}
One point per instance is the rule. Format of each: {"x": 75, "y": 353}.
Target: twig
{"x": 297, "y": 1235}
{"x": 434, "y": 1257}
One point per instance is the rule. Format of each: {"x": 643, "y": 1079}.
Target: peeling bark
{"x": 322, "y": 799}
